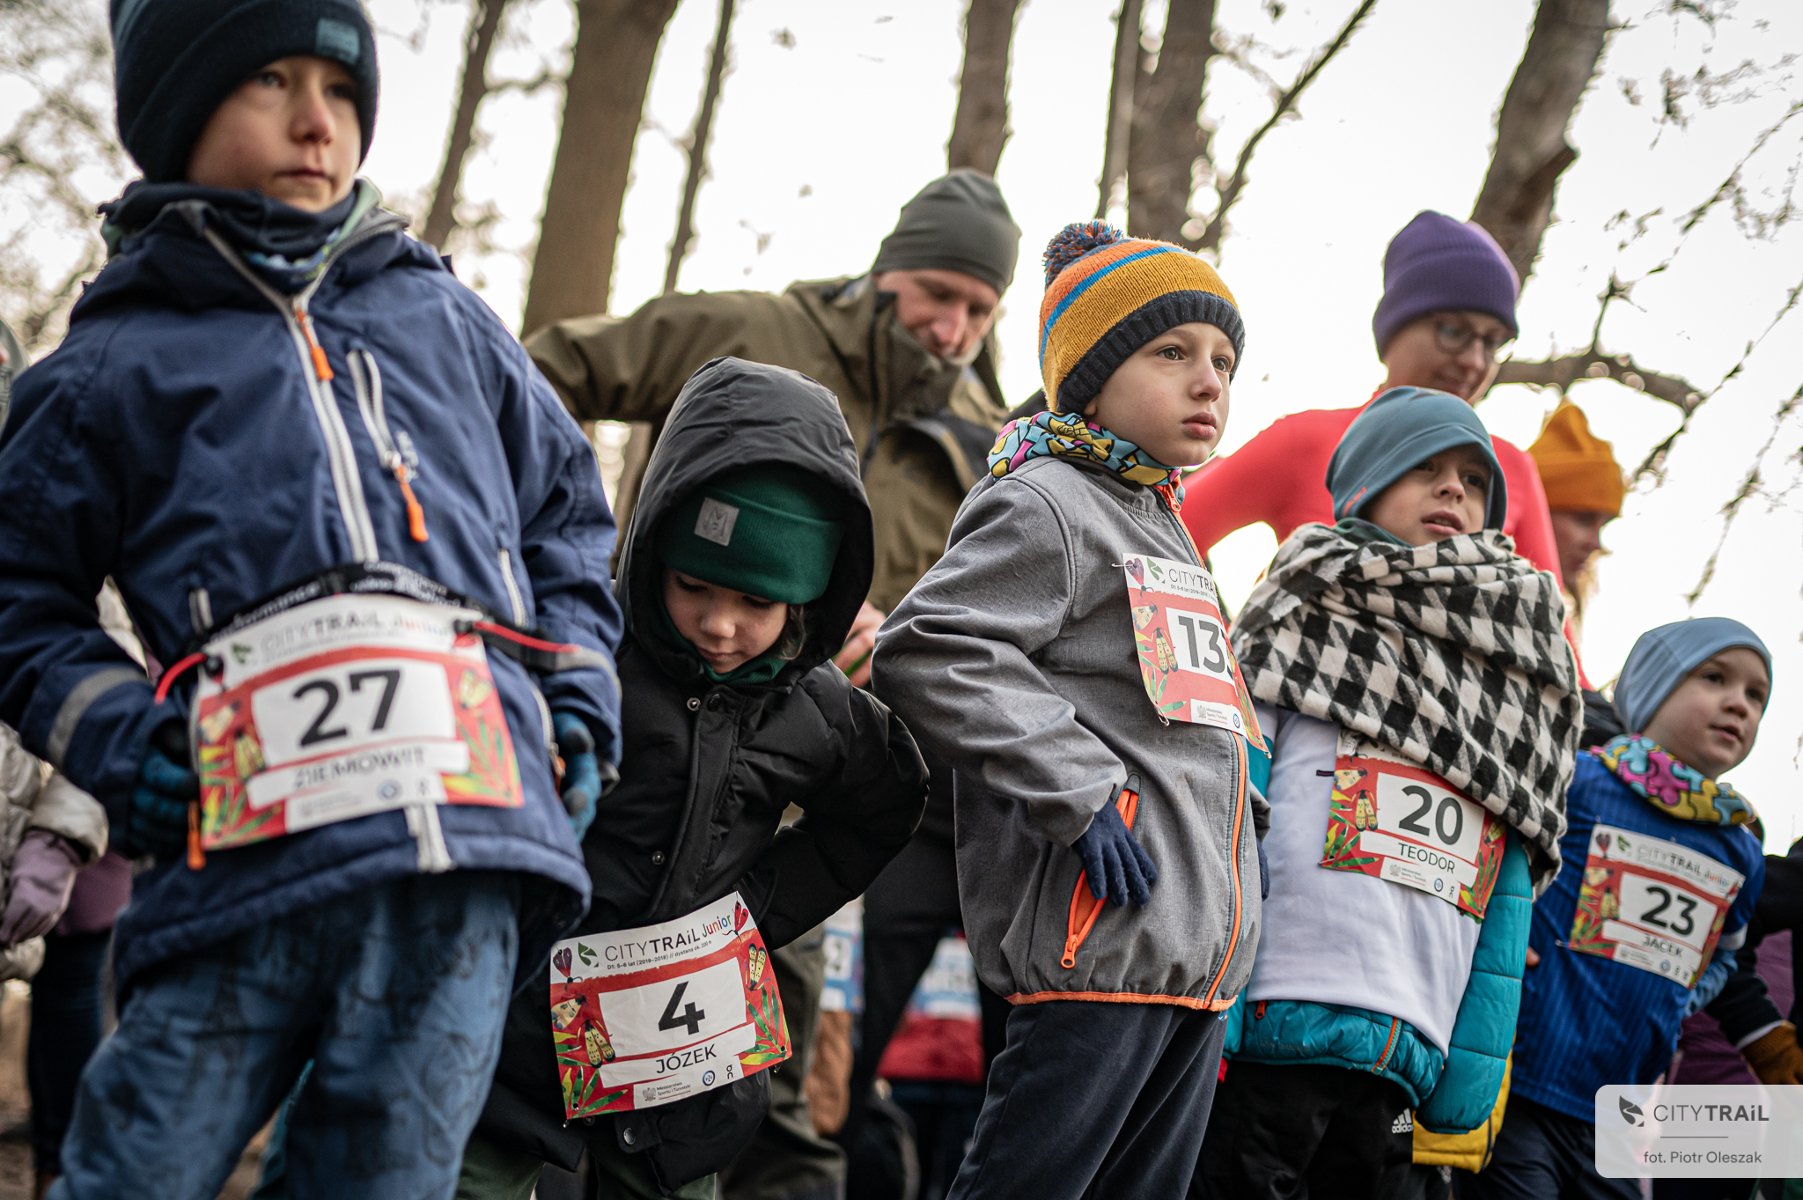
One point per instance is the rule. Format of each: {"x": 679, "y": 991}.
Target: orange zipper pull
{"x": 416, "y": 515}
{"x": 321, "y": 368}
{"x": 196, "y": 857}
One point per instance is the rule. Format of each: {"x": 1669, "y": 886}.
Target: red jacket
{"x": 1280, "y": 478}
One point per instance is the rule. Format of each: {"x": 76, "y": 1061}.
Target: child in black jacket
{"x": 747, "y": 558}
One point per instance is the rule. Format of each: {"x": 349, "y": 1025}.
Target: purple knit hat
{"x": 1437, "y": 264}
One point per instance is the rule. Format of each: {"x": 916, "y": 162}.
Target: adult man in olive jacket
{"x": 906, "y": 348}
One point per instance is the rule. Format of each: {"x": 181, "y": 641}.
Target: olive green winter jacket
{"x": 922, "y": 426}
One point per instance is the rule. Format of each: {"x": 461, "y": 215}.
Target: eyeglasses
{"x": 1453, "y": 336}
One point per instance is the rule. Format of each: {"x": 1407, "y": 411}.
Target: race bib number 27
{"x": 344, "y": 706}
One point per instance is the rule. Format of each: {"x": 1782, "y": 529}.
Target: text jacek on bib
{"x": 647, "y": 1016}
{"x": 343, "y": 706}
{"x": 1403, "y": 824}
{"x": 1652, "y": 904}
{"x": 1188, "y": 667}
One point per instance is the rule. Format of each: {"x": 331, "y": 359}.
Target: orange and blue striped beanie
{"x": 1107, "y": 295}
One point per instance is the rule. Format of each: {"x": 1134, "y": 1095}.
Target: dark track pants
{"x": 1094, "y": 1099}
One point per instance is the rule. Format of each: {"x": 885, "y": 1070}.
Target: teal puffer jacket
{"x": 1451, "y": 1093}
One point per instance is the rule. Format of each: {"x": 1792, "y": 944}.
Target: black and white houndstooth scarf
{"x": 1452, "y": 654}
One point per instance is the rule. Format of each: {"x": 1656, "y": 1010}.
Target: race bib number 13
{"x": 1185, "y": 660}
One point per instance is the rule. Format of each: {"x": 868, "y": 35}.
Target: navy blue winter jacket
{"x": 184, "y": 441}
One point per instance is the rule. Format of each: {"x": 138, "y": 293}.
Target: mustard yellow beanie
{"x": 1576, "y": 467}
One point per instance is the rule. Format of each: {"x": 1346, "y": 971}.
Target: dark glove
{"x": 1775, "y": 1055}
{"x": 1264, "y": 871}
{"x": 585, "y": 777}
{"x": 43, "y": 872}
{"x": 1118, "y": 869}
{"x": 156, "y": 818}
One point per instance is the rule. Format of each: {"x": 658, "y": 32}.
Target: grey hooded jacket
{"x": 1014, "y": 660}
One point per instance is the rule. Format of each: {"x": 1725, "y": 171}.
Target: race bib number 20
{"x": 1404, "y": 825}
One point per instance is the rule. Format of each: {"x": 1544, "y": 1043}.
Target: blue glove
{"x": 583, "y": 783}
{"x": 1264, "y": 871}
{"x": 156, "y": 816}
{"x": 1118, "y": 869}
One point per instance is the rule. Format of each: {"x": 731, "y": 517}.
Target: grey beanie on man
{"x": 958, "y": 222}
{"x": 1662, "y": 657}
{"x": 176, "y": 61}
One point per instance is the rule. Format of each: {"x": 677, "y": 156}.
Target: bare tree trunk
{"x": 1516, "y": 202}
{"x": 485, "y": 22}
{"x": 980, "y": 127}
{"x": 1167, "y": 138}
{"x": 1120, "y": 104}
{"x": 610, "y": 69}
{"x": 704, "y": 124}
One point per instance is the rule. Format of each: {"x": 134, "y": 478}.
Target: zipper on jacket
{"x": 434, "y": 855}
{"x": 340, "y": 454}
{"x": 1085, "y": 908}
{"x": 517, "y": 601}
{"x": 1233, "y": 862}
{"x": 1383, "y": 1060}
{"x": 366, "y": 381}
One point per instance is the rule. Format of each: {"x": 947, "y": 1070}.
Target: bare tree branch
{"x": 485, "y": 22}
{"x": 980, "y": 126}
{"x": 1120, "y": 104}
{"x": 1167, "y": 142}
{"x": 704, "y": 125}
{"x": 1560, "y": 373}
{"x": 1230, "y": 192}
{"x": 1749, "y": 487}
{"x": 1516, "y": 202}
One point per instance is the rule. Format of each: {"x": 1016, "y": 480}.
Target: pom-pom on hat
{"x": 1662, "y": 657}
{"x": 1398, "y": 430}
{"x": 1107, "y": 295}
{"x": 1577, "y": 468}
{"x": 959, "y": 222}
{"x": 768, "y": 531}
{"x": 1437, "y": 264}
{"x": 175, "y": 62}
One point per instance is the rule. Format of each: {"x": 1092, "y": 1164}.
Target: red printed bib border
{"x": 1185, "y": 660}
{"x": 1652, "y": 904}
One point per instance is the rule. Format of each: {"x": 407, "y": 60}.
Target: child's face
{"x": 1441, "y": 497}
{"x": 290, "y": 132}
{"x": 728, "y": 628}
{"x": 1710, "y": 720}
{"x": 1170, "y": 396}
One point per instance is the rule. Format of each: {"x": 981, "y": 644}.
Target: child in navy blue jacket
{"x": 1663, "y": 873}
{"x": 369, "y": 551}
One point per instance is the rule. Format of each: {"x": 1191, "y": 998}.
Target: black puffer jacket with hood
{"x": 709, "y": 769}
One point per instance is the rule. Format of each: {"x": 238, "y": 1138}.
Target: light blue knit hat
{"x": 1662, "y": 658}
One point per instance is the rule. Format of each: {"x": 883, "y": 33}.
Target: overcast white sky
{"x": 824, "y": 132}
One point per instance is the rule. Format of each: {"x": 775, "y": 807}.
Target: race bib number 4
{"x": 1185, "y": 660}
{"x": 647, "y": 1016}
{"x": 344, "y": 706}
{"x": 1652, "y": 904}
{"x": 1404, "y": 825}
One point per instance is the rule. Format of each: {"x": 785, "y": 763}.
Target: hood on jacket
{"x": 733, "y": 414}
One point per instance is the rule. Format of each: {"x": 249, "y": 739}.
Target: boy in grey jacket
{"x": 1068, "y": 658}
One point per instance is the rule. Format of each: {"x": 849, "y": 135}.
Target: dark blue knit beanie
{"x": 175, "y": 62}
{"x": 1397, "y": 431}
{"x": 1437, "y": 264}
